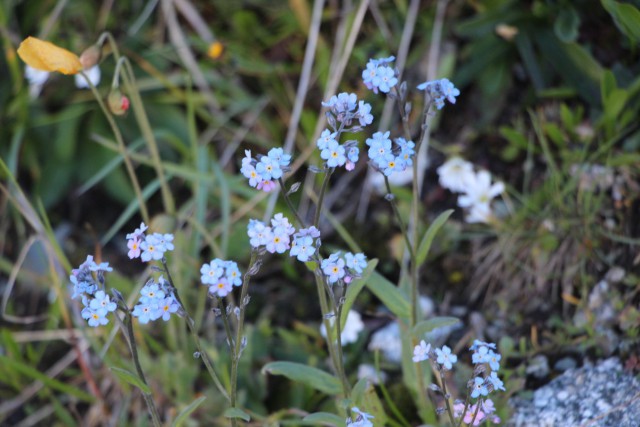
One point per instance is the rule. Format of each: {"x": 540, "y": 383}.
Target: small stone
{"x": 565, "y": 364}
{"x": 538, "y": 367}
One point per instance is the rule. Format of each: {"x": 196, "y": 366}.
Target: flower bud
{"x": 90, "y": 57}
{"x": 118, "y": 103}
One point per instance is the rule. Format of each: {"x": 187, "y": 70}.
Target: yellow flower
{"x": 215, "y": 50}
{"x": 46, "y": 56}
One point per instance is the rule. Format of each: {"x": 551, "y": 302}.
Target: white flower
{"x": 37, "y": 79}
{"x": 92, "y": 73}
{"x": 369, "y": 372}
{"x": 454, "y": 173}
{"x": 352, "y": 327}
{"x": 388, "y": 341}
{"x": 478, "y": 190}
{"x": 421, "y": 352}
{"x": 479, "y": 213}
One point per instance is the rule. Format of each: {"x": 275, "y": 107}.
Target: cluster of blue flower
{"x": 88, "y": 283}
{"x": 221, "y": 276}
{"x": 439, "y": 90}
{"x": 148, "y": 247}
{"x": 484, "y": 382}
{"x": 281, "y": 236}
{"x": 378, "y": 76}
{"x": 263, "y": 171}
{"x": 387, "y": 158}
{"x": 157, "y": 298}
{"x": 157, "y": 301}
{"x": 343, "y": 267}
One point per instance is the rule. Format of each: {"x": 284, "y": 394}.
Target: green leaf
{"x": 130, "y": 378}
{"x": 392, "y": 297}
{"x": 573, "y": 63}
{"x": 51, "y": 383}
{"x": 310, "y": 376}
{"x": 323, "y": 418}
{"x": 364, "y": 396}
{"x": 626, "y": 16}
{"x": 184, "y": 414}
{"x": 426, "y": 326}
{"x": 430, "y": 234}
{"x": 607, "y": 85}
{"x": 354, "y": 288}
{"x": 237, "y": 413}
{"x": 567, "y": 25}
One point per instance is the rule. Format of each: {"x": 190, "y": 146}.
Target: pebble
{"x": 600, "y": 395}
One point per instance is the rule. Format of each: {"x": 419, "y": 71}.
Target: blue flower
{"x": 278, "y": 155}
{"x": 477, "y": 344}
{"x": 480, "y": 355}
{"x": 232, "y": 273}
{"x": 362, "y": 420}
{"x": 364, "y": 113}
{"x": 445, "y": 358}
{"x": 101, "y": 301}
{"x": 334, "y": 154}
{"x": 325, "y": 138}
{"x": 95, "y": 317}
{"x": 167, "y": 306}
{"x": 439, "y": 90}
{"x": 479, "y": 388}
{"x": 221, "y": 288}
{"x": 378, "y": 76}
{"x": 152, "y": 248}
{"x": 496, "y": 382}
{"x": 356, "y": 262}
{"x": 493, "y": 359}
{"x": 302, "y": 248}
{"x": 259, "y": 233}
{"x": 145, "y": 310}
{"x": 210, "y": 273}
{"x": 333, "y": 267}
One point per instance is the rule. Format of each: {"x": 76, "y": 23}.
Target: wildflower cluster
{"x": 439, "y": 91}
{"x": 263, "y": 171}
{"x": 362, "y": 419}
{"x": 220, "y": 276}
{"x": 151, "y": 247}
{"x": 274, "y": 238}
{"x": 476, "y": 414}
{"x": 477, "y": 190}
{"x": 305, "y": 243}
{"x": 485, "y": 380}
{"x": 345, "y": 108}
{"x": 378, "y": 76}
{"x": 343, "y": 267}
{"x": 157, "y": 301}
{"x": 88, "y": 284}
{"x": 390, "y": 158}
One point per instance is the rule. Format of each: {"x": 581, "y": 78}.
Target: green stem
{"x": 192, "y": 328}
{"x": 122, "y": 149}
{"x": 148, "y": 398}
{"x": 141, "y": 117}
{"x": 237, "y": 349}
{"x": 396, "y": 212}
{"x": 346, "y": 389}
{"x": 323, "y": 190}
{"x": 447, "y": 397}
{"x": 147, "y": 132}
{"x": 290, "y": 204}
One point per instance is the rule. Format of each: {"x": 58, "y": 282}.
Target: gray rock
{"x": 564, "y": 364}
{"x": 594, "y": 396}
{"x": 538, "y": 366}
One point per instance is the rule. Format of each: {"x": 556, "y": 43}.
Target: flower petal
{"x": 46, "y": 56}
